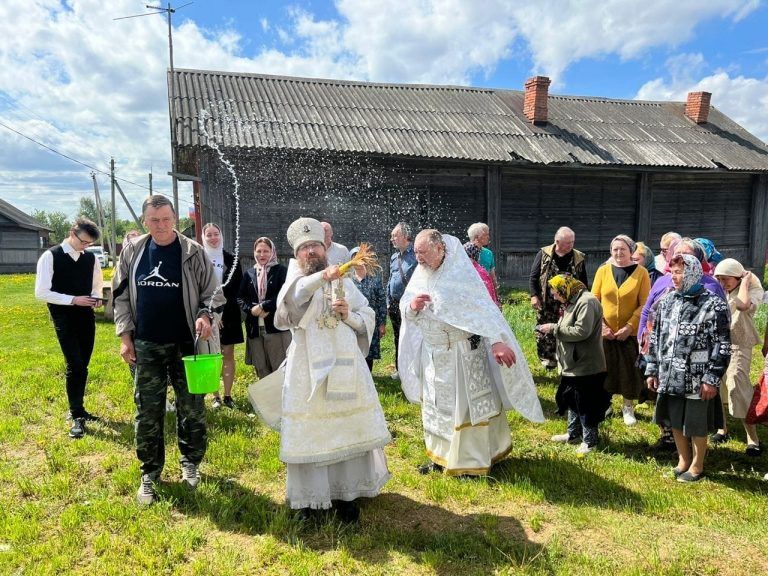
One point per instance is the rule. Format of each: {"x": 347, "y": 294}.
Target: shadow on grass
{"x": 115, "y": 431}
{"x": 448, "y": 543}
{"x": 565, "y": 482}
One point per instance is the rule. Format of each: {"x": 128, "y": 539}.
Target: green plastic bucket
{"x": 203, "y": 372}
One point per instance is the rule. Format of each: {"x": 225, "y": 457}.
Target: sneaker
{"x": 562, "y": 438}
{"x": 78, "y": 428}
{"x": 87, "y": 416}
{"x": 394, "y": 375}
{"x": 549, "y": 364}
{"x": 754, "y": 450}
{"x": 146, "y": 494}
{"x": 583, "y": 449}
{"x": 228, "y": 402}
{"x": 628, "y": 412}
{"x": 170, "y": 406}
{"x": 216, "y": 403}
{"x": 190, "y": 475}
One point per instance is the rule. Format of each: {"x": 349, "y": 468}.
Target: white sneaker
{"x": 583, "y": 449}
{"x": 146, "y": 495}
{"x": 394, "y": 375}
{"x": 170, "y": 406}
{"x": 562, "y": 438}
{"x": 216, "y": 403}
{"x": 190, "y": 475}
{"x": 628, "y": 412}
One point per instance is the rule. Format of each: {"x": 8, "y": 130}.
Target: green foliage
{"x": 68, "y": 507}
{"x": 59, "y": 223}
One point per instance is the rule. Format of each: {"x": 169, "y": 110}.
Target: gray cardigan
{"x": 579, "y": 335}
{"x": 198, "y": 285}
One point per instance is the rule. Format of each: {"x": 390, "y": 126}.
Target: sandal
{"x": 689, "y": 477}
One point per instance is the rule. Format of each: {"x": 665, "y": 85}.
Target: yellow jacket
{"x": 621, "y": 305}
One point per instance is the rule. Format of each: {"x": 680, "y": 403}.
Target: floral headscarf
{"x": 692, "y": 274}
{"x": 472, "y": 250}
{"x": 650, "y": 258}
{"x": 566, "y": 286}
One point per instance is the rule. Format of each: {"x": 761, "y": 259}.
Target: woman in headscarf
{"x": 622, "y": 287}
{"x": 370, "y": 284}
{"x": 690, "y": 348}
{"x": 660, "y": 289}
{"x": 266, "y": 346}
{"x": 230, "y": 330}
{"x": 473, "y": 251}
{"x": 643, "y": 255}
{"x": 745, "y": 293}
{"x": 711, "y": 255}
{"x": 581, "y": 359}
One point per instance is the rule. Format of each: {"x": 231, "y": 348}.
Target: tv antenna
{"x": 169, "y": 11}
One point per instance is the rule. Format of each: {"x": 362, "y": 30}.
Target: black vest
{"x": 70, "y": 277}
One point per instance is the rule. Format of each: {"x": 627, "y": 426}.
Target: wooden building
{"x": 22, "y": 240}
{"x": 365, "y": 156}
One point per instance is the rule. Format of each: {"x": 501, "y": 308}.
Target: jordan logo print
{"x": 161, "y": 280}
{"x": 156, "y": 273}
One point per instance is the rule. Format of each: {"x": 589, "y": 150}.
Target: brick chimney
{"x": 535, "y": 103}
{"x": 697, "y": 106}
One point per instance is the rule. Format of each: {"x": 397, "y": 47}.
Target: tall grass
{"x": 69, "y": 506}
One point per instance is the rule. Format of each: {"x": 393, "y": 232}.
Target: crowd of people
{"x": 676, "y": 330}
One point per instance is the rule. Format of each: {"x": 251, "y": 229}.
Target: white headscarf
{"x": 215, "y": 255}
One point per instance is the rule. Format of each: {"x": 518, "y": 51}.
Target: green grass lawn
{"x": 69, "y": 506}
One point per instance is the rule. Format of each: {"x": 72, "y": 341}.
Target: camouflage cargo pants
{"x": 156, "y": 366}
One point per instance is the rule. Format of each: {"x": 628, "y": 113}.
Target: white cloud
{"x": 743, "y": 99}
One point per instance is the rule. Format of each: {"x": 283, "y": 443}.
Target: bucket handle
{"x": 197, "y": 338}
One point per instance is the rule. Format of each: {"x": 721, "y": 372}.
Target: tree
{"x": 58, "y": 222}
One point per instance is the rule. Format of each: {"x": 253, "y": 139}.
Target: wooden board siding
{"x": 363, "y": 202}
{"x": 19, "y": 250}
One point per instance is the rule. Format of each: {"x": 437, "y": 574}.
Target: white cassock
{"x": 463, "y": 392}
{"x": 333, "y": 430}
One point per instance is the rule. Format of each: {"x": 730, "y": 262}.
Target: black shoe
{"x": 304, "y": 514}
{"x": 228, "y": 402}
{"x": 430, "y": 467}
{"x": 347, "y": 512}
{"x": 85, "y": 415}
{"x": 78, "y": 428}
{"x": 719, "y": 438}
{"x": 754, "y": 450}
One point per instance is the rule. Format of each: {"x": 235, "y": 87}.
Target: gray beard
{"x": 311, "y": 266}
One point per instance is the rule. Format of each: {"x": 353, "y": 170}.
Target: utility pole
{"x": 172, "y": 93}
{"x": 150, "y": 183}
{"x": 113, "y": 235}
{"x": 99, "y": 207}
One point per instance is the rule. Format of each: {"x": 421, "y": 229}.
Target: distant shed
{"x": 22, "y": 240}
{"x": 366, "y": 155}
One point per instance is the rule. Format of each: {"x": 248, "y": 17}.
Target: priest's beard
{"x": 313, "y": 264}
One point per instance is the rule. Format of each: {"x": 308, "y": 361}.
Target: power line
{"x": 80, "y": 162}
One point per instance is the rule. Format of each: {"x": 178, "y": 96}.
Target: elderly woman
{"x": 230, "y": 331}
{"x": 643, "y": 255}
{"x": 666, "y": 250}
{"x": 581, "y": 359}
{"x": 473, "y": 252}
{"x": 622, "y": 287}
{"x": 266, "y": 346}
{"x": 744, "y": 293}
{"x": 372, "y": 288}
{"x": 480, "y": 235}
{"x": 690, "y": 348}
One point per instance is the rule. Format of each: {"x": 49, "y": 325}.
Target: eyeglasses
{"x": 83, "y": 242}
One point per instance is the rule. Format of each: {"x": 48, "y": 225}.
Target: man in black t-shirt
{"x": 165, "y": 295}
{"x": 69, "y": 279}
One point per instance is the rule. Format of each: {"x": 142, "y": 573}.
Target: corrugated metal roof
{"x": 21, "y": 218}
{"x": 451, "y": 122}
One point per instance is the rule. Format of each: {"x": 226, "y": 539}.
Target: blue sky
{"x": 91, "y": 87}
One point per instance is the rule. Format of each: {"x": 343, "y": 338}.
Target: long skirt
{"x": 585, "y": 396}
{"x": 623, "y": 376}
{"x": 267, "y": 352}
{"x": 738, "y": 390}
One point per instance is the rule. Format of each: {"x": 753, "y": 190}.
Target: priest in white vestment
{"x": 332, "y": 431}
{"x": 459, "y": 358}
